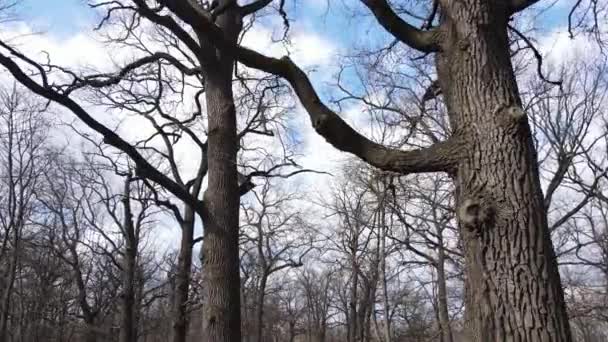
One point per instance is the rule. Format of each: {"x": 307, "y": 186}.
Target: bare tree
{"x": 22, "y": 150}
{"x": 489, "y": 153}
{"x": 274, "y": 234}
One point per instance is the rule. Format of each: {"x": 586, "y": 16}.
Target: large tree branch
{"x": 425, "y": 41}
{"x": 144, "y": 169}
{"x": 442, "y": 156}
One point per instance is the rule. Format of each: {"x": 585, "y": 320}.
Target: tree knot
{"x": 510, "y": 115}
{"x": 475, "y": 213}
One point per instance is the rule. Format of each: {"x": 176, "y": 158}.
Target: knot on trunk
{"x": 510, "y": 116}
{"x": 476, "y": 213}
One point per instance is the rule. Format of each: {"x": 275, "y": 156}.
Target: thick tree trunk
{"x": 221, "y": 312}
{"x": 182, "y": 278}
{"x": 220, "y": 253}
{"x": 513, "y": 289}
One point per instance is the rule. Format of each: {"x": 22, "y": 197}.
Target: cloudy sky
{"x": 322, "y": 31}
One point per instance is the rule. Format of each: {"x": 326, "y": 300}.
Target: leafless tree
{"x": 275, "y": 236}
{"x": 489, "y": 151}
{"x": 23, "y": 138}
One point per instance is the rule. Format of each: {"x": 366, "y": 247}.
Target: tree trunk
{"x": 442, "y": 297}
{"x": 220, "y": 247}
{"x": 9, "y": 281}
{"x": 386, "y": 324}
{"x": 292, "y": 331}
{"x": 259, "y": 325}
{"x": 513, "y": 289}
{"x": 129, "y": 265}
{"x": 353, "y": 316}
{"x": 182, "y": 278}
{"x": 220, "y": 254}
{"x": 91, "y": 329}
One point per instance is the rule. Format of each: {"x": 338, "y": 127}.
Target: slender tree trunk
{"x": 221, "y": 285}
{"x": 292, "y": 331}
{"x": 9, "y": 282}
{"x": 352, "y": 318}
{"x": 442, "y": 297}
{"x": 513, "y": 289}
{"x": 259, "y": 326}
{"x": 182, "y": 278}
{"x": 386, "y": 324}
{"x": 129, "y": 266}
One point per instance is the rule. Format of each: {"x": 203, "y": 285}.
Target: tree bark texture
{"x": 220, "y": 253}
{"x": 513, "y": 288}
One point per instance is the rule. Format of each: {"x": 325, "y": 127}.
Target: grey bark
{"x": 220, "y": 251}
{"x": 128, "y": 331}
{"x": 513, "y": 288}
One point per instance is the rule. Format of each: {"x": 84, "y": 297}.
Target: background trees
{"x": 474, "y": 159}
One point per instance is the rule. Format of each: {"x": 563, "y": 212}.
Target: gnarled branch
{"x": 443, "y": 156}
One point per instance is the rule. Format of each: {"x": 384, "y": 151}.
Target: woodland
{"x": 304, "y": 171}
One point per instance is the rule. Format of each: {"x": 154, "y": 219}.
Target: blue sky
{"x": 64, "y": 17}
{"x": 58, "y": 17}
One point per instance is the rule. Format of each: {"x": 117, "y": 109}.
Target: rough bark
{"x": 220, "y": 253}
{"x": 513, "y": 288}
{"x": 221, "y": 313}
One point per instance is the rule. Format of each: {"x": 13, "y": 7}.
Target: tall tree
{"x": 513, "y": 288}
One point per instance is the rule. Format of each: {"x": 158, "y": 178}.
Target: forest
{"x": 303, "y": 170}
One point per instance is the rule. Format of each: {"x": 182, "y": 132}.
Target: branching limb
{"x": 443, "y": 156}
{"x": 537, "y": 55}
{"x": 144, "y": 168}
{"x": 170, "y": 24}
{"x": 104, "y": 80}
